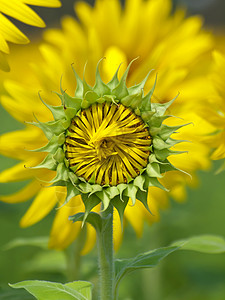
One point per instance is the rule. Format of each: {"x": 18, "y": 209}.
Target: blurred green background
{"x": 183, "y": 275}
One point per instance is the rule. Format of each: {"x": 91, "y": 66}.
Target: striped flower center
{"x": 107, "y": 144}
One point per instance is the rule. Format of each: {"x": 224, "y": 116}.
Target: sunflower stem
{"x": 105, "y": 254}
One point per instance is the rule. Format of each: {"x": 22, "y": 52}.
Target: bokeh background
{"x": 184, "y": 275}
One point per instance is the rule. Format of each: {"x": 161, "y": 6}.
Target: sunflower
{"x": 174, "y": 46}
{"x": 18, "y": 9}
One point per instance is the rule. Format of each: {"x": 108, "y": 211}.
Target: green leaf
{"x": 205, "y": 244}
{"x": 40, "y": 241}
{"x": 93, "y": 218}
{"x": 148, "y": 259}
{"x": 45, "y": 290}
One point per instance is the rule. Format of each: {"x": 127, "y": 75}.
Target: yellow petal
{"x": 114, "y": 57}
{"x": 63, "y": 231}
{"x": 117, "y": 230}
{"x": 3, "y": 63}
{"x": 135, "y": 217}
{"x": 48, "y": 3}
{"x": 16, "y": 173}
{"x": 90, "y": 240}
{"x": 24, "y": 103}
{"x": 18, "y": 143}
{"x": 10, "y": 32}
{"x": 21, "y": 12}
{"x": 40, "y": 207}
{"x": 23, "y": 195}
{"x": 3, "y": 45}
{"x": 23, "y": 171}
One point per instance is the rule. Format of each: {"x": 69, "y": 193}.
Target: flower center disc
{"x": 107, "y": 144}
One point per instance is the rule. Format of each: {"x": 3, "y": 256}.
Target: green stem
{"x": 105, "y": 253}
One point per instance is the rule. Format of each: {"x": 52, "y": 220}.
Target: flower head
{"x": 18, "y": 9}
{"x": 108, "y": 143}
{"x": 174, "y": 46}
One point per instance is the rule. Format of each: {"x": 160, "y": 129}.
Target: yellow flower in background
{"x": 18, "y": 9}
{"x": 215, "y": 110}
{"x": 174, "y": 46}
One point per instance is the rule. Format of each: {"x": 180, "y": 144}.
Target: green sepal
{"x": 142, "y": 196}
{"x": 72, "y": 191}
{"x": 59, "y": 95}
{"x": 100, "y": 87}
{"x": 147, "y": 115}
{"x": 136, "y": 89}
{"x": 105, "y": 198}
{"x": 57, "y": 111}
{"x": 89, "y": 203}
{"x": 120, "y": 206}
{"x": 121, "y": 188}
{"x": 48, "y": 163}
{"x": 91, "y": 97}
{"x": 127, "y": 100}
{"x": 85, "y": 187}
{"x": 153, "y": 170}
{"x": 160, "y": 144}
{"x": 167, "y": 167}
{"x": 164, "y": 153}
{"x": 61, "y": 175}
{"x": 95, "y": 188}
{"x": 146, "y": 101}
{"x": 59, "y": 155}
{"x": 93, "y": 218}
{"x": 72, "y": 102}
{"x": 136, "y": 101}
{"x": 114, "y": 81}
{"x": 156, "y": 121}
{"x": 131, "y": 192}
{"x": 166, "y": 131}
{"x": 112, "y": 192}
{"x": 86, "y": 86}
{"x": 162, "y": 107}
{"x": 121, "y": 90}
{"x": 52, "y": 145}
{"x": 73, "y": 178}
{"x": 153, "y": 181}
{"x": 139, "y": 181}
{"x": 52, "y": 127}
{"x": 79, "y": 88}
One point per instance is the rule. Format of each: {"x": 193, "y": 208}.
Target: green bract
{"x": 116, "y": 92}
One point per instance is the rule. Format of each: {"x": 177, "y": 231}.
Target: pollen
{"x": 107, "y": 144}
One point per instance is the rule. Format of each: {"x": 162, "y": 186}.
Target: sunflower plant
{"x": 108, "y": 143}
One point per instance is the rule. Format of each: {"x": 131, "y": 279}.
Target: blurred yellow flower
{"x": 18, "y": 9}
{"x": 174, "y": 46}
{"x": 215, "y": 110}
